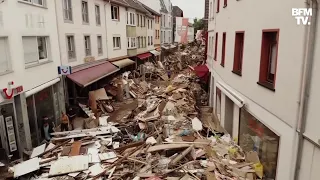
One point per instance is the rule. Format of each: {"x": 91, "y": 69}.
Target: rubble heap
{"x": 189, "y": 55}
{"x": 155, "y": 131}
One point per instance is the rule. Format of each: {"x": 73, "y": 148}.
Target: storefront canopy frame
{"x": 41, "y": 87}
{"x": 90, "y": 75}
{"x": 144, "y": 56}
{"x": 123, "y": 63}
{"x": 232, "y": 95}
{"x": 156, "y": 53}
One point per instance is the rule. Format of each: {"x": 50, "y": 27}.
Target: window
{"x": 151, "y": 23}
{"x": 35, "y": 49}
{"x": 87, "y": 45}
{"x": 238, "y": 53}
{"x": 218, "y": 103}
{"x": 148, "y": 40}
{"x": 255, "y": 136}
{"x": 130, "y": 18}
{"x": 144, "y": 21}
{"x": 115, "y": 13}
{"x": 151, "y": 37}
{"x": 268, "y": 61}
{"x": 141, "y": 24}
{"x": 131, "y": 42}
{"x": 210, "y": 12}
{"x": 85, "y": 12}
{"x": 145, "y": 41}
{"x": 4, "y": 54}
{"x": 116, "y": 43}
{"x": 98, "y": 19}
{"x": 37, "y": 2}
{"x": 99, "y": 41}
{"x": 71, "y": 48}
{"x": 225, "y": 3}
{"x": 138, "y": 42}
{"x": 218, "y": 6}
{"x": 67, "y": 10}
{"x": 223, "y": 54}
{"x": 148, "y": 24}
{"x": 216, "y": 47}
{"x": 212, "y": 40}
{"x": 138, "y": 20}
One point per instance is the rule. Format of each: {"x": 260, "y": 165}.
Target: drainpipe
{"x": 105, "y": 24}
{"x": 306, "y": 82}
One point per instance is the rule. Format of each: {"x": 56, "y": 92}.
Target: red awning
{"x": 90, "y": 75}
{"x": 144, "y": 56}
{"x": 202, "y": 72}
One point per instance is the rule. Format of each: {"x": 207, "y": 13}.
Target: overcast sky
{"x": 190, "y": 8}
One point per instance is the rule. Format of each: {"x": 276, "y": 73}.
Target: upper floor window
{"x": 131, "y": 42}
{"x": 141, "y": 23}
{"x": 223, "y": 54}
{"x": 115, "y": 13}
{"x": 151, "y": 23}
{"x": 148, "y": 40}
{"x": 268, "y": 61}
{"x": 98, "y": 18}
{"x": 144, "y": 21}
{"x": 5, "y": 55}
{"x": 67, "y": 10}
{"x": 238, "y": 53}
{"x": 87, "y": 45}
{"x": 216, "y": 47}
{"x": 71, "y": 48}
{"x": 37, "y": 2}
{"x": 138, "y": 20}
{"x": 225, "y": 3}
{"x": 130, "y": 18}
{"x": 151, "y": 37}
{"x": 99, "y": 42}
{"x": 85, "y": 12}
{"x": 218, "y": 6}
{"x": 116, "y": 43}
{"x": 35, "y": 49}
{"x": 148, "y": 24}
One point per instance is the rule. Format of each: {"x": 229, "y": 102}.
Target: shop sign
{"x": 64, "y": 70}
{"x": 8, "y": 93}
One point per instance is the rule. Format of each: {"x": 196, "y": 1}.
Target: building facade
{"x": 176, "y": 12}
{"x": 31, "y": 89}
{"x": 190, "y": 33}
{"x": 258, "y": 94}
{"x": 166, "y": 21}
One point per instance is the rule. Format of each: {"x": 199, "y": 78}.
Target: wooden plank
{"x": 167, "y": 147}
{"x": 75, "y": 148}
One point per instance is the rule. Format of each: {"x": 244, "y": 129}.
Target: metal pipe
{"x": 306, "y": 83}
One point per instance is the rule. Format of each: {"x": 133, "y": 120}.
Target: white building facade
{"x": 82, "y": 31}
{"x": 29, "y": 80}
{"x": 257, "y": 91}
{"x": 166, "y": 21}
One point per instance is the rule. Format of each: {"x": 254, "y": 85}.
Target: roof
{"x": 119, "y": 2}
{"x": 137, "y": 6}
{"x": 151, "y": 10}
{"x": 163, "y": 7}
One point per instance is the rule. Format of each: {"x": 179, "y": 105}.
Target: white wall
{"x": 276, "y": 110}
{"x": 79, "y": 30}
{"x": 14, "y": 26}
{"x": 116, "y": 28}
{"x": 190, "y": 34}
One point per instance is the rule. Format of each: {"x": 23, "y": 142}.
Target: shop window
{"x": 255, "y": 136}
{"x": 32, "y": 121}
{"x": 268, "y": 62}
{"x": 218, "y": 103}
{"x": 44, "y": 109}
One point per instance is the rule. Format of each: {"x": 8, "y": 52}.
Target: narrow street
{"x": 146, "y": 125}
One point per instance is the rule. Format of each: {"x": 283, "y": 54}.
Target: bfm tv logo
{"x": 302, "y": 15}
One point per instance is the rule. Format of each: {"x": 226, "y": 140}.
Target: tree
{"x": 198, "y": 24}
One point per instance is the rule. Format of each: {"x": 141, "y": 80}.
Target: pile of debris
{"x": 189, "y": 55}
{"x": 160, "y": 134}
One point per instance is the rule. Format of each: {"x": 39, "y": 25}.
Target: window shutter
{"x": 30, "y": 48}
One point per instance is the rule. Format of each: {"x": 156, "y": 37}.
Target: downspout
{"x": 105, "y": 24}
{"x": 306, "y": 83}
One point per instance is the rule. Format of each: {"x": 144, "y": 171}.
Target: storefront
{"x": 43, "y": 109}
{"x": 255, "y": 136}
{"x": 9, "y": 126}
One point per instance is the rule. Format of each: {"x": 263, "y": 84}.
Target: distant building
{"x": 176, "y": 12}
{"x": 190, "y": 33}
{"x": 181, "y": 33}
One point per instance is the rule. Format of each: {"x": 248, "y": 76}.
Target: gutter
{"x": 306, "y": 83}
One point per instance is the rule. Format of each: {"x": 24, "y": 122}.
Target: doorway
{"x": 228, "y": 118}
